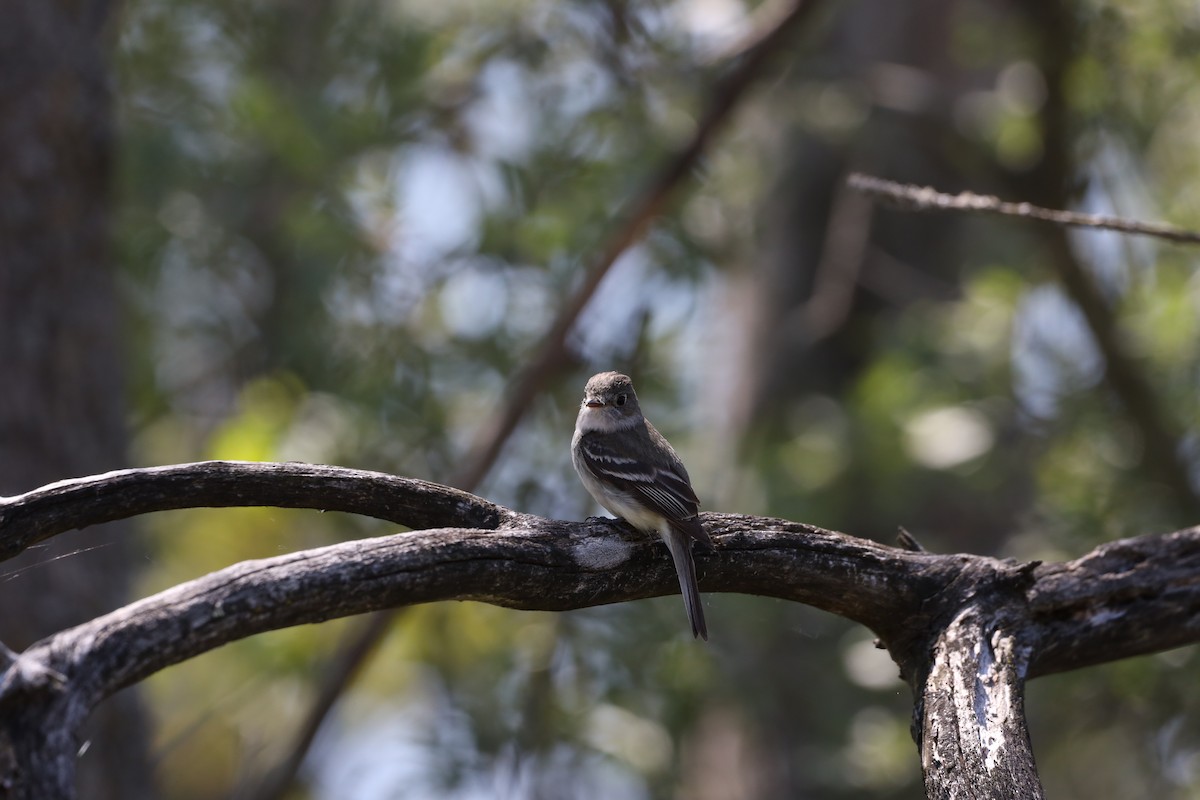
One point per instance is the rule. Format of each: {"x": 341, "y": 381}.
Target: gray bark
{"x": 966, "y": 631}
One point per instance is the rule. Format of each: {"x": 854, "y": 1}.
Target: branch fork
{"x": 966, "y": 631}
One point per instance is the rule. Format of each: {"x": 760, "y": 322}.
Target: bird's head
{"x": 609, "y": 402}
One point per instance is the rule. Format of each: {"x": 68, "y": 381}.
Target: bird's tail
{"x": 680, "y": 545}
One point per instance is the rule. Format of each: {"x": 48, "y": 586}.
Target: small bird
{"x": 631, "y": 470}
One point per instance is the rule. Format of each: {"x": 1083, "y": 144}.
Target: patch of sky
{"x": 1053, "y": 353}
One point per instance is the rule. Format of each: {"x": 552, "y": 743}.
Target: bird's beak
{"x": 593, "y": 403}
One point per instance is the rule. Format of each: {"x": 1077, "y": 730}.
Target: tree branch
{"x": 29, "y": 518}
{"x": 1140, "y": 595}
{"x": 532, "y": 564}
{"x": 966, "y": 630}
{"x": 1098, "y": 608}
{"x": 924, "y": 198}
{"x": 973, "y": 737}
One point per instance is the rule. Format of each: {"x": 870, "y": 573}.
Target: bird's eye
{"x": 621, "y": 398}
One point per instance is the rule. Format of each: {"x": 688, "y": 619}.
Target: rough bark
{"x": 969, "y": 721}
{"x": 967, "y": 631}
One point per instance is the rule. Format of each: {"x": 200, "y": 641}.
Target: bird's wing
{"x": 662, "y": 487}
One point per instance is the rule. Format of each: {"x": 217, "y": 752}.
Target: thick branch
{"x": 965, "y": 630}
{"x": 29, "y": 518}
{"x": 973, "y": 737}
{"x": 532, "y": 564}
{"x": 1125, "y": 597}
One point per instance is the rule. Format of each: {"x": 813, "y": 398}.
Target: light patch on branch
{"x": 1103, "y": 616}
{"x": 994, "y": 699}
{"x": 601, "y": 553}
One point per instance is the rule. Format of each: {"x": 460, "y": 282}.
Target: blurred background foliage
{"x": 342, "y": 226}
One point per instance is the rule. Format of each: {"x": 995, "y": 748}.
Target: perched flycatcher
{"x": 634, "y": 472}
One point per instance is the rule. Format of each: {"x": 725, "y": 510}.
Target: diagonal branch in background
{"x": 552, "y": 354}
{"x": 1160, "y": 436}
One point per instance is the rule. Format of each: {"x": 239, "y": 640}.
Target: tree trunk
{"x": 61, "y": 405}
